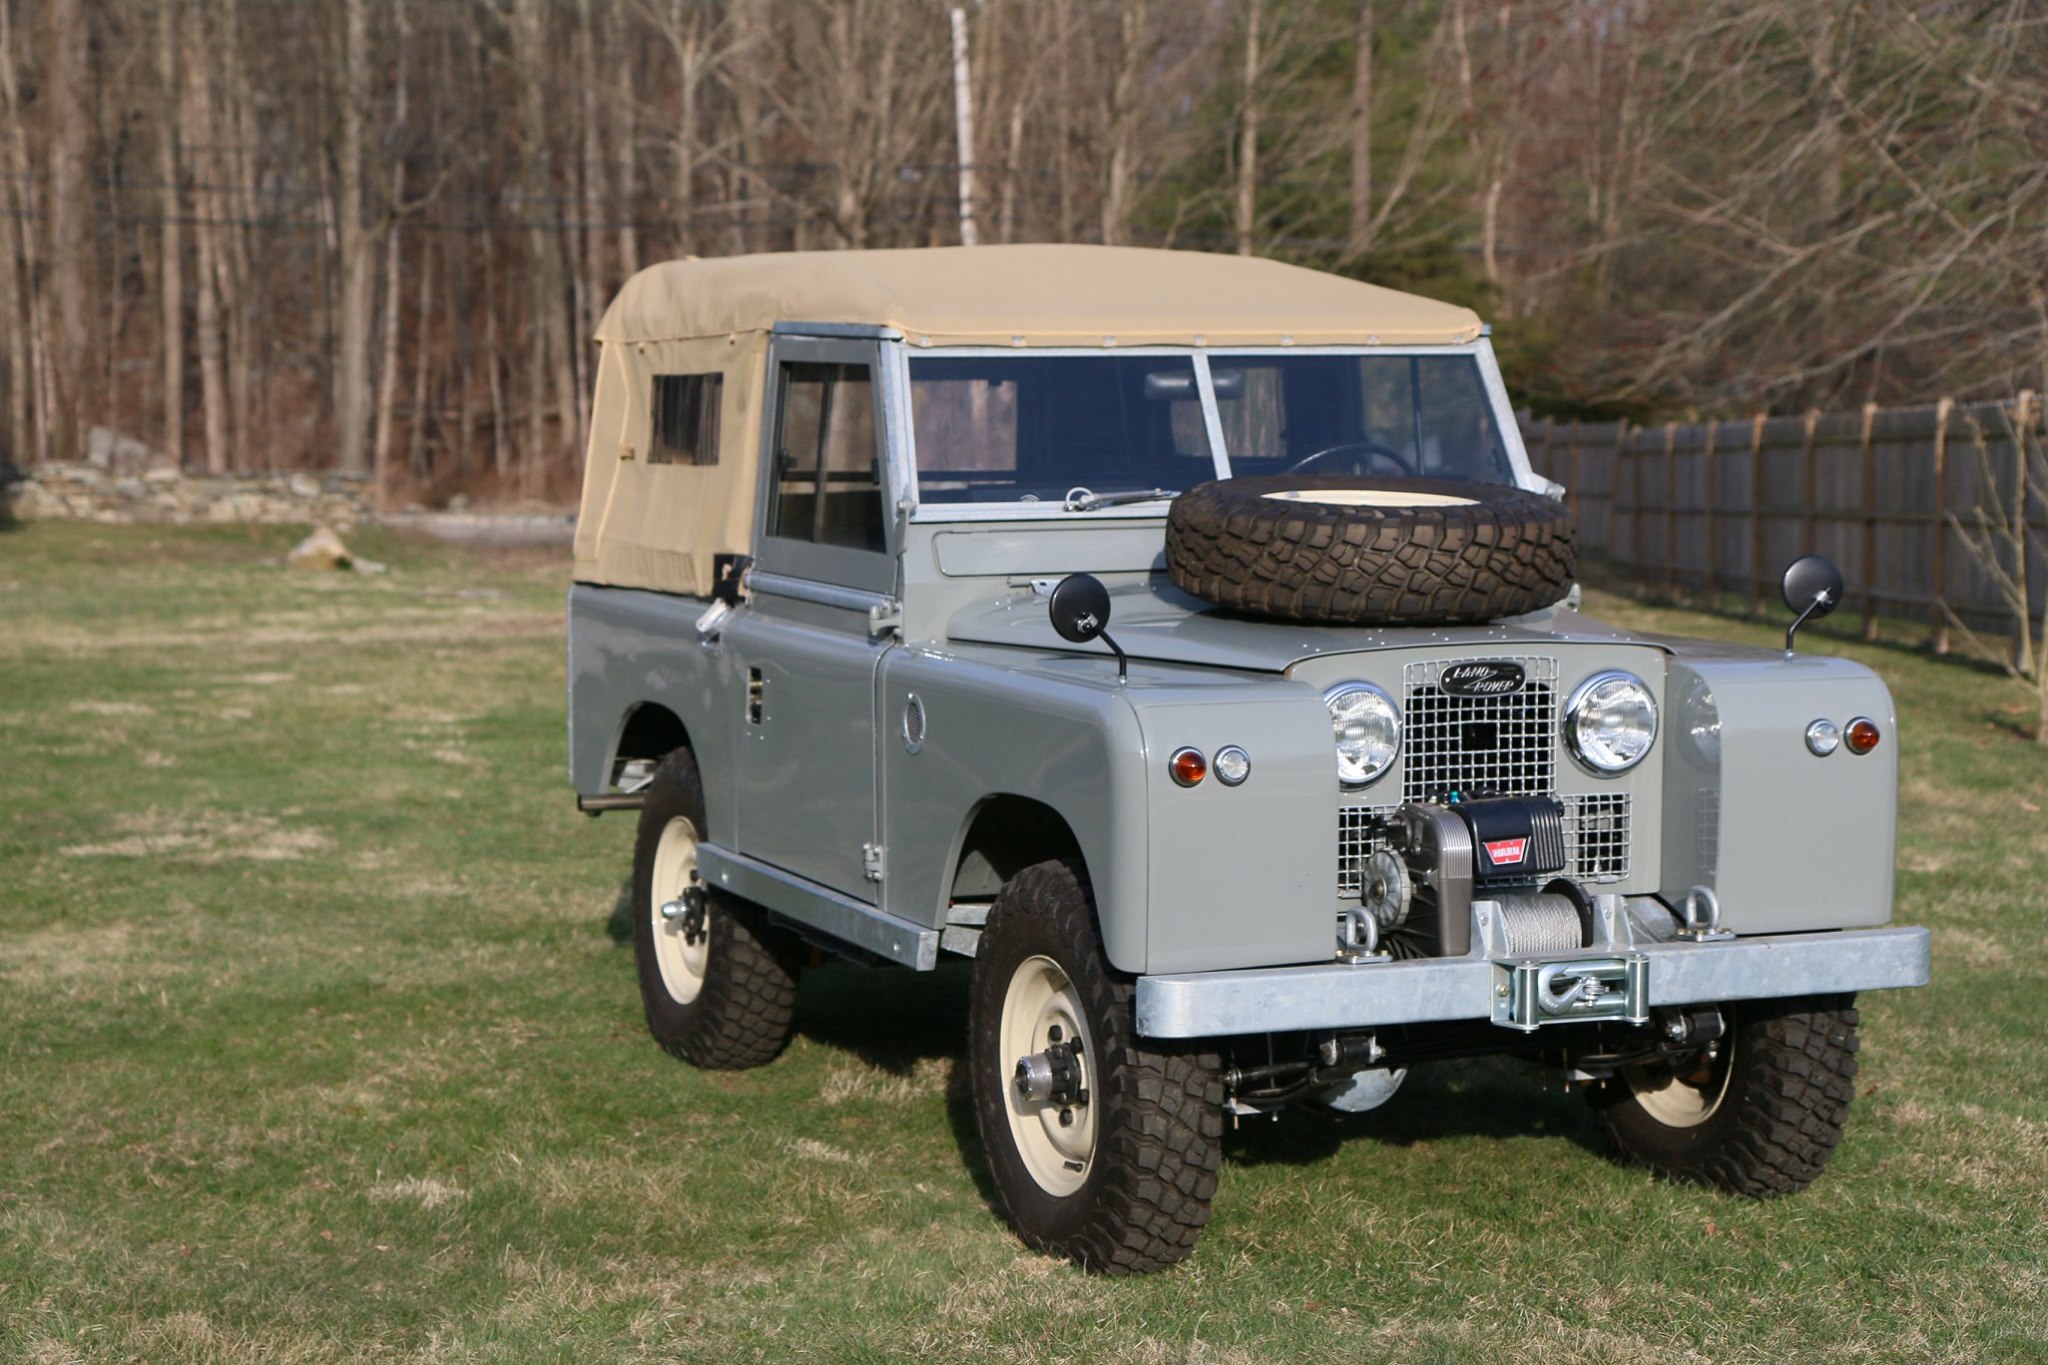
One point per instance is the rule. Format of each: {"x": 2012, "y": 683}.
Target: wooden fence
{"x": 1717, "y": 509}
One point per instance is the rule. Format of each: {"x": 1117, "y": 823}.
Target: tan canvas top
{"x": 1033, "y": 295}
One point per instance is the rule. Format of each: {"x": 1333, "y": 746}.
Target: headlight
{"x": 1367, "y": 727}
{"x": 1610, "y": 722}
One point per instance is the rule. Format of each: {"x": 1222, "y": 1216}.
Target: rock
{"x": 371, "y": 566}
{"x": 106, "y": 448}
{"x": 303, "y": 486}
{"x": 321, "y": 550}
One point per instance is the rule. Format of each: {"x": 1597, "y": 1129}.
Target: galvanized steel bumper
{"x": 1366, "y": 995}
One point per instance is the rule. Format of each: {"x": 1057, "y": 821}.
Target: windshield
{"x": 1030, "y": 428}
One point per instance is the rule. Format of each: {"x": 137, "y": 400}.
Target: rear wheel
{"x": 718, "y": 984}
{"x": 1103, "y": 1147}
{"x": 1759, "y": 1114}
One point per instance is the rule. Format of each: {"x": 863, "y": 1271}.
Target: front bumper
{"x": 1431, "y": 990}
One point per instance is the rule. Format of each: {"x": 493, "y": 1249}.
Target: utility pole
{"x": 963, "y": 119}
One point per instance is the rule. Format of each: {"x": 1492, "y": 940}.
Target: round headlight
{"x": 1610, "y": 722}
{"x": 1367, "y": 728}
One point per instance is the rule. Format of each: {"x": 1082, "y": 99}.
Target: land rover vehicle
{"x": 1187, "y": 640}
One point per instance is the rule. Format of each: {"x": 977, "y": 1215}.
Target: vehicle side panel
{"x": 1787, "y": 840}
{"x": 1241, "y": 876}
{"x": 1058, "y": 731}
{"x": 628, "y": 648}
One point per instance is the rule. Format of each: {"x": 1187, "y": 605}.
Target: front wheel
{"x": 1103, "y": 1146}
{"x": 1758, "y": 1114}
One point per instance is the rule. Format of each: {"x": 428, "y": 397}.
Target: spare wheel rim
{"x": 1039, "y": 999}
{"x": 680, "y": 956}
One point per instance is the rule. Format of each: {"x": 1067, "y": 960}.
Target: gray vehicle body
{"x": 884, "y": 738}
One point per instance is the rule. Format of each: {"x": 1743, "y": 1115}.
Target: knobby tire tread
{"x": 1160, "y": 1135}
{"x": 1504, "y": 553}
{"x": 746, "y": 1009}
{"x": 1783, "y": 1116}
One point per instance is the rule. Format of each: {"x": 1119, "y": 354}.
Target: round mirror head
{"x": 1813, "y": 581}
{"x": 1080, "y": 608}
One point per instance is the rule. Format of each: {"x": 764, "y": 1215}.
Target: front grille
{"x": 1596, "y": 836}
{"x": 1484, "y": 746}
{"x": 1360, "y": 832}
{"x": 1480, "y": 746}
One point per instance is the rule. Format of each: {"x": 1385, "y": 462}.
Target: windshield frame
{"x": 903, "y": 353}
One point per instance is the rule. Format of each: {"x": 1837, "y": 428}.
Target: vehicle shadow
{"x": 619, "y": 927}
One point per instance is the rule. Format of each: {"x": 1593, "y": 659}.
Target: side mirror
{"x": 1080, "y": 613}
{"x": 1813, "y": 588}
{"x": 1080, "y": 607}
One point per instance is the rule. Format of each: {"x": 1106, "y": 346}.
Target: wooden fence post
{"x": 1942, "y": 409}
{"x": 1635, "y": 517}
{"x": 1571, "y": 493}
{"x": 2022, "y": 423}
{"x": 1671, "y": 509}
{"x": 1806, "y": 526}
{"x": 1756, "y": 514}
{"x": 1713, "y": 489}
{"x": 1869, "y": 525}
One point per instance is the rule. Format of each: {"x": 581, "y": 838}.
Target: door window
{"x": 827, "y": 469}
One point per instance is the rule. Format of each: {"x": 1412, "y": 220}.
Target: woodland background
{"x": 374, "y": 236}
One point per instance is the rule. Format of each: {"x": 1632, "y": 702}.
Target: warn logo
{"x": 1506, "y": 852}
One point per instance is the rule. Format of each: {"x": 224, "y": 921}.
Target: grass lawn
{"x": 321, "y": 1043}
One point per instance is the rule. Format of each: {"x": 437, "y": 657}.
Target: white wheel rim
{"x": 1674, "y": 1101}
{"x": 1040, "y": 999}
{"x": 675, "y": 869}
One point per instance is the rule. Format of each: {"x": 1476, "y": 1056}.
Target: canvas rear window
{"x": 685, "y": 419}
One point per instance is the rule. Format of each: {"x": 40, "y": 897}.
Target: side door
{"x": 808, "y": 647}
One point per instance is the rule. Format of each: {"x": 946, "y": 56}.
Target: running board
{"x": 819, "y": 907}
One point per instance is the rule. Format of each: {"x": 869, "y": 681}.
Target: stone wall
{"x": 82, "y": 492}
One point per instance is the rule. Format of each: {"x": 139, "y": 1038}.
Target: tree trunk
{"x": 1248, "y": 134}
{"x": 171, "y": 280}
{"x": 240, "y": 290}
{"x": 17, "y": 242}
{"x": 625, "y": 133}
{"x": 1359, "y": 240}
{"x": 203, "y": 134}
{"x": 1119, "y": 182}
{"x": 416, "y": 453}
{"x": 70, "y": 149}
{"x": 358, "y": 264}
{"x": 387, "y": 380}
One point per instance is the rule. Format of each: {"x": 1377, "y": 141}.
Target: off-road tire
{"x": 746, "y": 1006}
{"x": 1790, "y": 1072}
{"x": 1504, "y": 552}
{"x": 1159, "y": 1122}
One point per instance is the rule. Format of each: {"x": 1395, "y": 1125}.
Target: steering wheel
{"x": 1373, "y": 449}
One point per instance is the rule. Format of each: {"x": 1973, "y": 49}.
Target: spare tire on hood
{"x": 1359, "y": 551}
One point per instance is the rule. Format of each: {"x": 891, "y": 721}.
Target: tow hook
{"x": 1052, "y": 1077}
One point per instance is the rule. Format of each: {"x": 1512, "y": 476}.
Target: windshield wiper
{"x": 1082, "y": 500}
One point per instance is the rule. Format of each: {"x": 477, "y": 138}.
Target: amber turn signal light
{"x": 1188, "y": 766}
{"x": 1862, "y": 735}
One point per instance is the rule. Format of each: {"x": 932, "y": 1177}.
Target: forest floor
{"x": 319, "y": 1041}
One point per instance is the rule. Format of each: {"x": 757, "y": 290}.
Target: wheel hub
{"x": 1052, "y": 1076}
{"x": 1051, "y": 1117}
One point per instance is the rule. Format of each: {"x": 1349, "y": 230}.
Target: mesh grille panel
{"x": 1358, "y": 838}
{"x": 1505, "y": 745}
{"x": 1596, "y": 830}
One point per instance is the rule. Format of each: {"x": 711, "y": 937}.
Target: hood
{"x": 1155, "y": 620}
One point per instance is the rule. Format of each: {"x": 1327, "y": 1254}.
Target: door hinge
{"x": 874, "y": 858}
{"x": 885, "y": 618}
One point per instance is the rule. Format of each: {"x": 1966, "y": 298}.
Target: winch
{"x": 1436, "y": 858}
